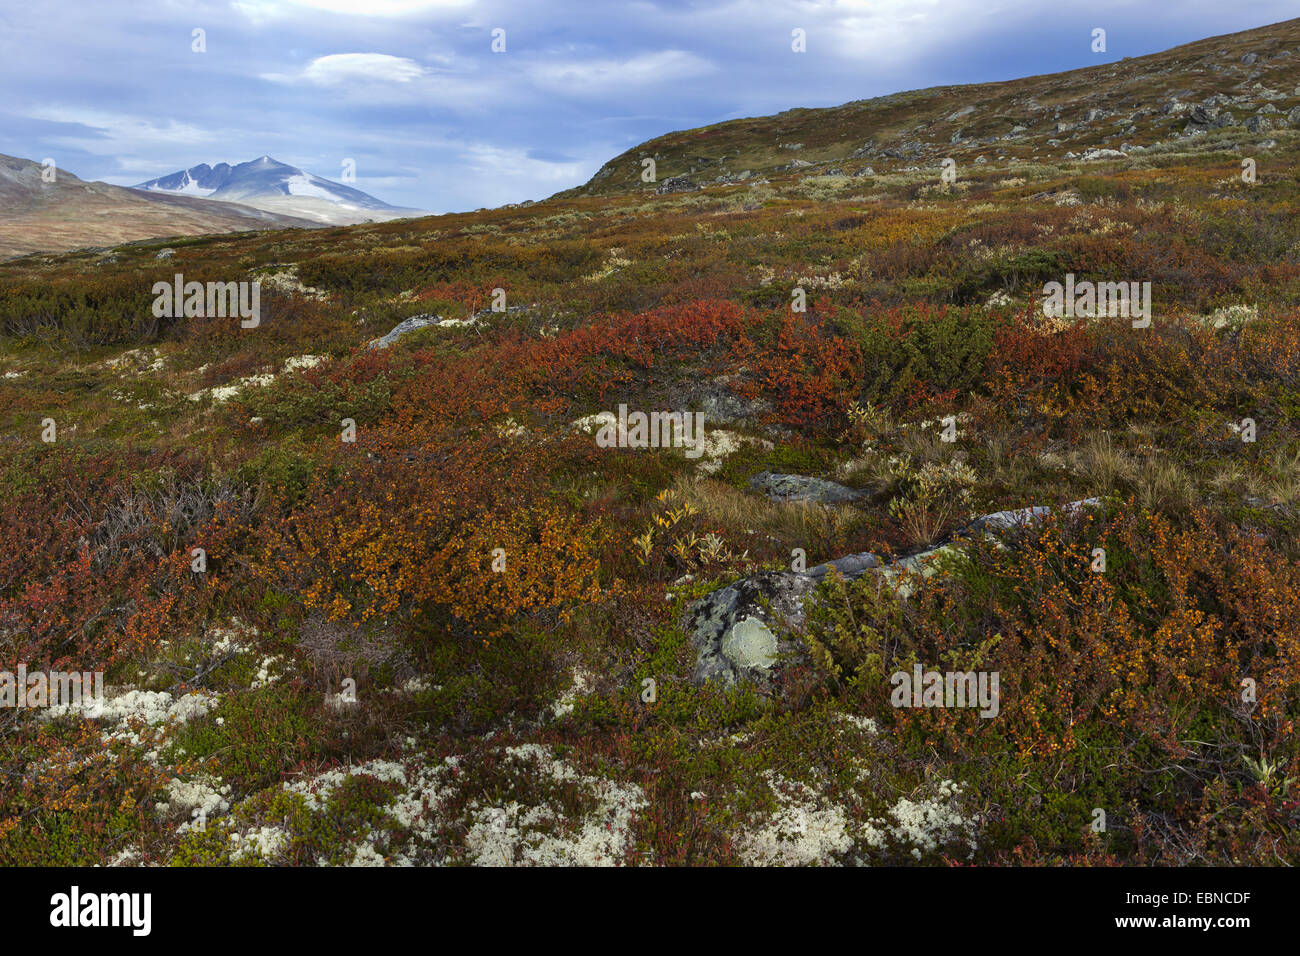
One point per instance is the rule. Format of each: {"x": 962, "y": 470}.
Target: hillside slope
{"x": 1253, "y": 76}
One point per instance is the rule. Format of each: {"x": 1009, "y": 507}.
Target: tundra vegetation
{"x": 460, "y": 636}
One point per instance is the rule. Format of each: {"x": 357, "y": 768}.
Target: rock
{"x": 868, "y": 171}
{"x": 780, "y": 487}
{"x": 1250, "y": 58}
{"x": 676, "y": 184}
{"x": 1258, "y": 124}
{"x": 165, "y": 253}
{"x": 1022, "y": 517}
{"x": 732, "y": 628}
{"x": 750, "y": 645}
{"x": 1095, "y": 153}
{"x": 1293, "y": 117}
{"x": 737, "y": 630}
{"x": 406, "y": 325}
{"x": 849, "y": 567}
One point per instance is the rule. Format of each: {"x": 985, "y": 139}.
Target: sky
{"x": 435, "y": 118}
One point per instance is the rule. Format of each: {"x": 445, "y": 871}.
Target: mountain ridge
{"x": 267, "y": 183}
{"x": 70, "y": 213}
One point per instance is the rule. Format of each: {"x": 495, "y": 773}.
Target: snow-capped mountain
{"x": 269, "y": 184}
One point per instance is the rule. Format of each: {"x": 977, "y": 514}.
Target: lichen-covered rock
{"x": 406, "y": 325}
{"x": 740, "y": 631}
{"x": 676, "y": 184}
{"x": 735, "y": 629}
{"x": 850, "y": 566}
{"x": 802, "y": 488}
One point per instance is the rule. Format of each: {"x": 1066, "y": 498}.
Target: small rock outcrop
{"x": 734, "y": 629}
{"x": 740, "y": 631}
{"x": 780, "y": 487}
{"x": 676, "y": 184}
{"x": 406, "y": 325}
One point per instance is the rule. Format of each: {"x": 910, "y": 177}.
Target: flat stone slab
{"x": 780, "y": 487}
{"x": 406, "y": 325}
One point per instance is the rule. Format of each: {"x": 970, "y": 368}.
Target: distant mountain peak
{"x": 267, "y": 183}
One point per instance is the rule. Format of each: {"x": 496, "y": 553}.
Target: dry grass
{"x": 818, "y": 529}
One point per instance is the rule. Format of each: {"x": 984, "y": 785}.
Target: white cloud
{"x": 354, "y": 68}
{"x": 594, "y": 77}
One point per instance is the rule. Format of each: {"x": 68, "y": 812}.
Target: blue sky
{"x": 434, "y": 119}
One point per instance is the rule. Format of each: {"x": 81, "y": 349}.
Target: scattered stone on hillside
{"x": 286, "y": 280}
{"x": 741, "y": 630}
{"x": 1022, "y": 517}
{"x": 1091, "y": 154}
{"x": 865, "y": 171}
{"x": 406, "y": 325}
{"x": 732, "y": 628}
{"x": 165, "y": 253}
{"x": 1258, "y": 124}
{"x": 1250, "y": 59}
{"x": 908, "y": 150}
{"x": 780, "y": 487}
{"x": 675, "y": 184}
{"x": 849, "y": 567}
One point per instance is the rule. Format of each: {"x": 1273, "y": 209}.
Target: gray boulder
{"x": 406, "y": 325}
{"x": 734, "y": 630}
{"x": 676, "y": 184}
{"x": 780, "y": 487}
